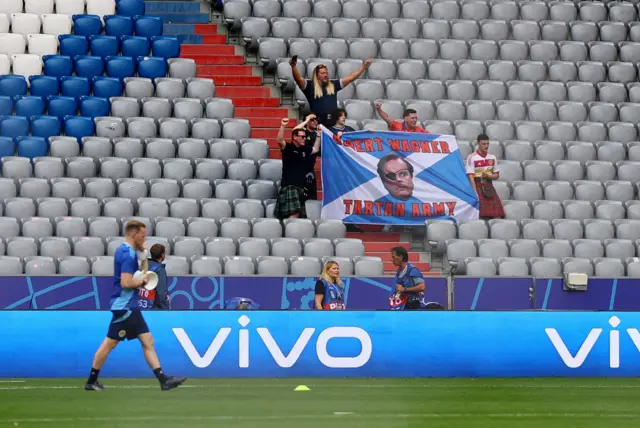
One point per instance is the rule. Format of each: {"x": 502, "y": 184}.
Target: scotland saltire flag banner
{"x": 395, "y": 178}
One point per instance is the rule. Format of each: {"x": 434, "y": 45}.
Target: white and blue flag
{"x": 395, "y": 178}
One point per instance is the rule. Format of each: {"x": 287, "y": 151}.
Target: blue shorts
{"x": 127, "y": 325}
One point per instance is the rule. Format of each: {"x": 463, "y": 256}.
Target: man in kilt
{"x": 295, "y": 160}
{"x": 482, "y": 169}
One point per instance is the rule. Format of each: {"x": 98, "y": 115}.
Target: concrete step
{"x": 221, "y": 80}
{"x": 256, "y": 102}
{"x": 243, "y": 92}
{"x": 193, "y": 51}
{"x": 273, "y": 112}
{"x": 183, "y": 18}
{"x": 208, "y": 64}
{"x": 231, "y": 70}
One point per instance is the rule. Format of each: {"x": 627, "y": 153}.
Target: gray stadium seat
{"x": 176, "y": 266}
{"x": 369, "y": 266}
{"x": 73, "y": 266}
{"x": 512, "y": 266}
{"x": 545, "y": 267}
{"x": 238, "y": 266}
{"x": 206, "y": 266}
{"x": 271, "y": 266}
{"x": 609, "y": 268}
{"x": 234, "y": 228}
{"x": 480, "y": 267}
{"x": 39, "y": 266}
{"x": 305, "y": 266}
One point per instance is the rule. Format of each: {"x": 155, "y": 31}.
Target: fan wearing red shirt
{"x": 409, "y": 124}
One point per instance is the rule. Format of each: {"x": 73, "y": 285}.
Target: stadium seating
{"x": 106, "y": 124}
{"x": 553, "y": 84}
{"x": 102, "y": 121}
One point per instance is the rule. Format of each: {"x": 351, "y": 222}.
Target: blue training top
{"x": 125, "y": 260}
{"x": 333, "y": 296}
{"x": 410, "y": 276}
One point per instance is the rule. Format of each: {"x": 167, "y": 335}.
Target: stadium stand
{"x": 553, "y": 84}
{"x": 102, "y": 121}
{"x": 111, "y": 111}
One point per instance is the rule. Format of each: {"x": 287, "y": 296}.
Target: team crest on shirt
{"x": 122, "y": 333}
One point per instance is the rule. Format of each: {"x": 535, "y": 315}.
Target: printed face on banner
{"x": 395, "y": 178}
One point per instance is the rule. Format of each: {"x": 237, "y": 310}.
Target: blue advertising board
{"x": 331, "y": 344}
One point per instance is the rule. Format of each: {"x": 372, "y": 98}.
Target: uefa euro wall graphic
{"x": 333, "y": 344}
{"x": 69, "y": 293}
{"x": 290, "y": 293}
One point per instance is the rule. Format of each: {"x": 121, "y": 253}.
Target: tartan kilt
{"x": 290, "y": 201}
{"x": 489, "y": 207}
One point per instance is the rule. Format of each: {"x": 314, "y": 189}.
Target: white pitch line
{"x": 13, "y": 381}
{"x": 80, "y": 387}
{"x": 329, "y": 386}
{"x": 475, "y": 416}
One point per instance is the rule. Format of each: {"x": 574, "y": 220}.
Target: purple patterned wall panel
{"x": 297, "y": 293}
{"x": 625, "y": 294}
{"x": 551, "y": 295}
{"x": 492, "y": 293}
{"x": 200, "y": 293}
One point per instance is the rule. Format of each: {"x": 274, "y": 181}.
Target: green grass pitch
{"x": 334, "y": 403}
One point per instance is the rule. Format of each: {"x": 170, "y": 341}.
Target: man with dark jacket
{"x": 161, "y": 300}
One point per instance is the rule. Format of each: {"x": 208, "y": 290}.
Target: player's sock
{"x": 93, "y": 375}
{"x": 160, "y": 375}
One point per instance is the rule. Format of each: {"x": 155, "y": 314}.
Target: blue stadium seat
{"x": 104, "y": 46}
{"x": 116, "y": 25}
{"x": 165, "y": 47}
{"x": 7, "y": 146}
{"x": 72, "y": 45}
{"x": 94, "y": 106}
{"x": 120, "y": 66}
{"x": 62, "y": 106}
{"x": 6, "y": 106}
{"x": 29, "y": 106}
{"x": 44, "y": 86}
{"x": 148, "y": 26}
{"x": 135, "y": 46}
{"x": 45, "y": 126}
{"x": 32, "y": 147}
{"x": 75, "y": 86}
{"x": 11, "y": 85}
{"x": 89, "y": 66}
{"x": 87, "y": 25}
{"x": 14, "y": 126}
{"x": 79, "y": 127}
{"x": 130, "y": 7}
{"x": 107, "y": 87}
{"x": 57, "y": 65}
{"x": 152, "y": 67}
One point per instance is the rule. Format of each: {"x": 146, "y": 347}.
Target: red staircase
{"x": 379, "y": 244}
{"x": 225, "y": 64}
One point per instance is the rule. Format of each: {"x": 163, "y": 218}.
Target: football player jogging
{"x": 127, "y": 322}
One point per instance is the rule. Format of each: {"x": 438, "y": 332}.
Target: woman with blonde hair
{"x": 329, "y": 289}
{"x": 322, "y": 92}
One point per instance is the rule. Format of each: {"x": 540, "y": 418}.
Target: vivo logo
{"x": 282, "y": 360}
{"x": 576, "y": 361}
